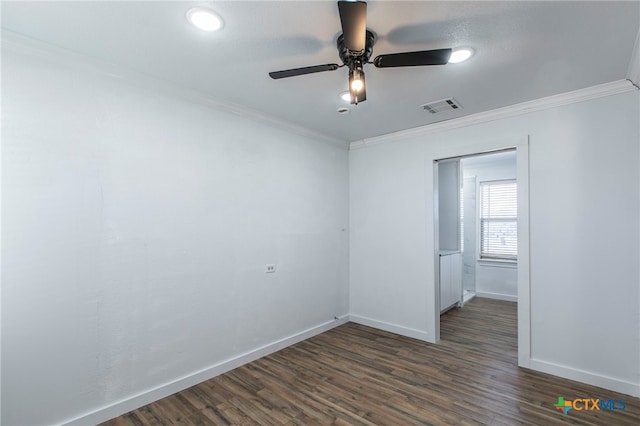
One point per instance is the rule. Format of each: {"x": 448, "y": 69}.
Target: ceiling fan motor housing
{"x": 363, "y": 56}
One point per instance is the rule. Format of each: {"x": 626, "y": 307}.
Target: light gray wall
{"x": 135, "y": 232}
{"x": 584, "y": 170}
{"x": 469, "y": 223}
{"x": 449, "y": 204}
{"x": 136, "y": 226}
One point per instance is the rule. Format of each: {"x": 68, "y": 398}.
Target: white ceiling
{"x": 525, "y": 50}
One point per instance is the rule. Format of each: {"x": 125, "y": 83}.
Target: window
{"x": 499, "y": 220}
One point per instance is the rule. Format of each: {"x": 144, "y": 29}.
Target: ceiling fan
{"x": 355, "y": 46}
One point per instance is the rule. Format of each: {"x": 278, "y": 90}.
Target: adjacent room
{"x": 320, "y": 212}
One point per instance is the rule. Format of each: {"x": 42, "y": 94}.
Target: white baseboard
{"x": 582, "y": 376}
{"x": 393, "y": 328}
{"x": 147, "y": 397}
{"x": 497, "y": 296}
{"x": 136, "y": 401}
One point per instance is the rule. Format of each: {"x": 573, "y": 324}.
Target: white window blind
{"x": 499, "y": 220}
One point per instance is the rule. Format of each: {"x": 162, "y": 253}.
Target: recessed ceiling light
{"x": 204, "y": 19}
{"x": 346, "y": 96}
{"x": 460, "y": 55}
{"x": 343, "y": 110}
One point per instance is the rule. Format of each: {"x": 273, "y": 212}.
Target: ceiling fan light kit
{"x": 345, "y": 96}
{"x": 356, "y": 84}
{"x": 460, "y": 54}
{"x": 355, "y": 47}
{"x": 204, "y": 19}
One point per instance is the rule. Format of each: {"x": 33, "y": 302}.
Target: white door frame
{"x": 521, "y": 145}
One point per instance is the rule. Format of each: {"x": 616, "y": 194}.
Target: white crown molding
{"x": 11, "y": 40}
{"x": 601, "y": 90}
{"x": 27, "y": 45}
{"x": 633, "y": 73}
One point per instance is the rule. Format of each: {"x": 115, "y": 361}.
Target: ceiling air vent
{"x": 442, "y": 105}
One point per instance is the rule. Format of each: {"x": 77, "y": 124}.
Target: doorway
{"x": 476, "y": 266}
{"x": 488, "y": 220}
{"x": 477, "y": 205}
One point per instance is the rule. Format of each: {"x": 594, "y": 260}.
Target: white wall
{"x": 449, "y": 205}
{"x": 493, "y": 279}
{"x": 136, "y": 226}
{"x": 497, "y": 281}
{"x": 469, "y": 224}
{"x": 136, "y": 229}
{"x": 583, "y": 171}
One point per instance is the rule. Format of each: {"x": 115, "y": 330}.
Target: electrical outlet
{"x": 270, "y": 268}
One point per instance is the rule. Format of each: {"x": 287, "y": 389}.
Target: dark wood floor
{"x": 356, "y": 375}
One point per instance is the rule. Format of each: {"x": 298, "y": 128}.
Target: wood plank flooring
{"x": 356, "y": 375}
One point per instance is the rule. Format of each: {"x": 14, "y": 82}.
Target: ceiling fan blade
{"x": 302, "y": 71}
{"x": 353, "y": 17}
{"x": 412, "y": 59}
